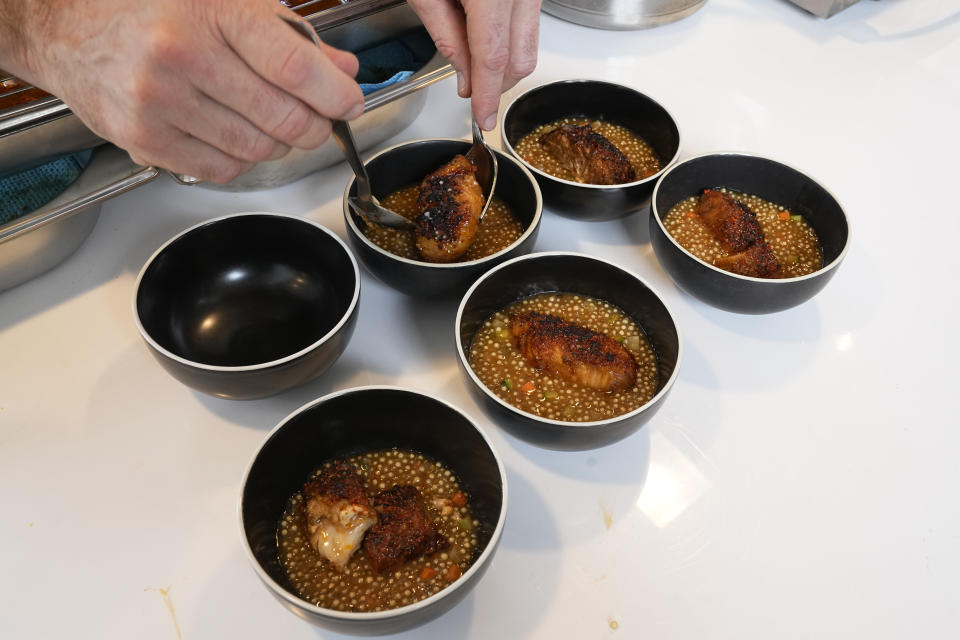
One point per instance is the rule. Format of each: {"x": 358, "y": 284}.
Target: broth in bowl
{"x": 567, "y": 357}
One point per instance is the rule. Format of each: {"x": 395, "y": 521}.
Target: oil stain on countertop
{"x": 167, "y": 600}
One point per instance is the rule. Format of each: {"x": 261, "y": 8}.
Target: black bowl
{"x": 595, "y": 100}
{"x": 569, "y": 273}
{"x": 772, "y": 181}
{"x": 248, "y": 305}
{"x": 356, "y": 421}
{"x": 408, "y": 163}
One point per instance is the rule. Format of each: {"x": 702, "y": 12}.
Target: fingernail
{"x": 490, "y": 123}
{"x": 461, "y": 84}
{"x": 355, "y": 113}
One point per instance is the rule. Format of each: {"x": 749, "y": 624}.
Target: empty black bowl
{"x": 356, "y": 421}
{"x": 248, "y": 305}
{"x": 408, "y": 163}
{"x": 772, "y": 181}
{"x": 569, "y": 273}
{"x": 595, "y": 100}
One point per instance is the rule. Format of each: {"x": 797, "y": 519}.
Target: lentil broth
{"x": 500, "y": 228}
{"x": 641, "y": 155}
{"x": 503, "y": 370}
{"x": 359, "y": 588}
{"x": 792, "y": 239}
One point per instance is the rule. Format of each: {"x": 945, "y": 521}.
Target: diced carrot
{"x": 427, "y": 573}
{"x": 784, "y": 215}
{"x": 452, "y": 573}
{"x": 528, "y": 387}
{"x": 691, "y": 214}
{"x": 459, "y": 499}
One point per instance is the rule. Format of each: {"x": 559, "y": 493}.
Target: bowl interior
{"x": 356, "y": 422}
{"x": 245, "y": 290}
{"x": 409, "y": 163}
{"x": 570, "y": 273}
{"x": 761, "y": 177}
{"x": 595, "y": 100}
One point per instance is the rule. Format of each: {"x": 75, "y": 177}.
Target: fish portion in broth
{"x": 589, "y": 152}
{"x": 745, "y": 234}
{"x": 566, "y": 357}
{"x": 378, "y": 531}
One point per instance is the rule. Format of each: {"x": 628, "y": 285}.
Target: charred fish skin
{"x": 337, "y": 512}
{"x": 450, "y": 202}
{"x": 572, "y": 352}
{"x": 588, "y": 155}
{"x": 404, "y": 530}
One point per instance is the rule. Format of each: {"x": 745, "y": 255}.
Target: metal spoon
{"x": 364, "y": 203}
{"x": 484, "y": 159}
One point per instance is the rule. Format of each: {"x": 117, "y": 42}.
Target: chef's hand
{"x": 491, "y": 43}
{"x": 203, "y": 88}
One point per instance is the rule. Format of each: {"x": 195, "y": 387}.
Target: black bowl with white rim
{"x": 248, "y": 305}
{"x": 357, "y": 421}
{"x": 773, "y": 181}
{"x": 407, "y": 164}
{"x": 593, "y": 100}
{"x": 574, "y": 273}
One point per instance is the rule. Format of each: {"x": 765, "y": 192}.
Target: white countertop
{"x": 797, "y": 483}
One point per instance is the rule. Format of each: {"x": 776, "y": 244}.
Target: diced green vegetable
{"x": 466, "y": 524}
{"x": 549, "y": 395}
{"x": 505, "y": 383}
{"x": 795, "y": 217}
{"x": 621, "y": 339}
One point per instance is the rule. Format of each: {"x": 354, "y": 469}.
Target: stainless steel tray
{"x": 37, "y": 242}
{"x": 47, "y": 128}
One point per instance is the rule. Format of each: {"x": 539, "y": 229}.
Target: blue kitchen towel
{"x": 30, "y": 189}
{"x": 393, "y": 61}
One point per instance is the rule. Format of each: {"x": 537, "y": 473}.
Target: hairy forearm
{"x": 20, "y": 30}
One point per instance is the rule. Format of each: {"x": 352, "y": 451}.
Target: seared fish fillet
{"x": 591, "y": 158}
{"x": 736, "y": 228}
{"x": 758, "y": 261}
{"x": 404, "y": 531}
{"x": 337, "y": 512}
{"x": 450, "y": 203}
{"x": 573, "y": 352}
{"x": 733, "y": 224}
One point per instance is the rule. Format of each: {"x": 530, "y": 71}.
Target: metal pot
{"x": 621, "y": 14}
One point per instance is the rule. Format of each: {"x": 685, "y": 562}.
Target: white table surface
{"x": 799, "y": 482}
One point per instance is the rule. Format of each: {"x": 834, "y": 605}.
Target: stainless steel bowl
{"x": 621, "y": 14}
{"x": 37, "y": 242}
